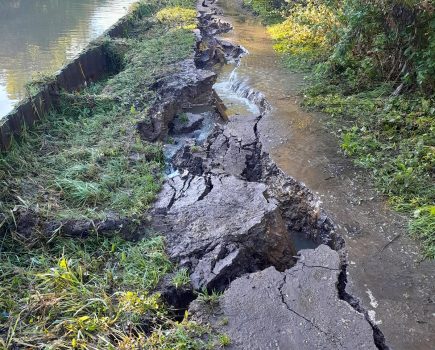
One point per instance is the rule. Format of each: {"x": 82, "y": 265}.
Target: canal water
{"x": 39, "y": 36}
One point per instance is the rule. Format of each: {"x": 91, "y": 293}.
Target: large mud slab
{"x": 295, "y": 309}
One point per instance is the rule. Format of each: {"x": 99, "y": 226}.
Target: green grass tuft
{"x": 181, "y": 278}
{"x": 79, "y": 294}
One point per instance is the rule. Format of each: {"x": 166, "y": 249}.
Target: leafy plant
{"x": 308, "y": 32}
{"x": 209, "y": 298}
{"x": 181, "y": 278}
{"x": 372, "y": 71}
{"x": 79, "y": 294}
{"x": 224, "y": 340}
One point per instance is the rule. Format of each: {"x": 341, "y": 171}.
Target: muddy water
{"x": 41, "y": 35}
{"x": 386, "y": 271}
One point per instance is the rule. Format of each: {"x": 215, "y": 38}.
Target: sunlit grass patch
{"x": 177, "y": 17}
{"x": 80, "y": 294}
{"x": 306, "y": 32}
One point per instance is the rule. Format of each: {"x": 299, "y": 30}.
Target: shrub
{"x": 307, "y": 33}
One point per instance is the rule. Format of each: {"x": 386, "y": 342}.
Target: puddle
{"x": 300, "y": 241}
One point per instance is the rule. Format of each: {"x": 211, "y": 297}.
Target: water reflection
{"x": 41, "y": 35}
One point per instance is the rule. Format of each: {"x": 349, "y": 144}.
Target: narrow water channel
{"x": 385, "y": 269}
{"x": 41, "y": 35}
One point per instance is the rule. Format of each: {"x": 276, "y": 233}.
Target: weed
{"x": 211, "y": 299}
{"x": 224, "y": 340}
{"x": 181, "y": 278}
{"x": 180, "y": 335}
{"x": 80, "y": 293}
{"x": 184, "y": 119}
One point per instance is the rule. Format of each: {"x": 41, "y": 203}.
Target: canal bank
{"x": 89, "y": 65}
{"x": 231, "y": 218}
{"x": 79, "y": 266}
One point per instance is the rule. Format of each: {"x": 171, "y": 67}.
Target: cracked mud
{"x": 295, "y": 309}
{"x": 234, "y": 220}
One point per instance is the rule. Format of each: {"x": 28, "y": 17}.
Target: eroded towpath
{"x": 386, "y": 271}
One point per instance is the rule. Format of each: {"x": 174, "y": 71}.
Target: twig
{"x": 390, "y": 242}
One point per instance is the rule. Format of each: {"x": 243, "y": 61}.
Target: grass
{"x": 181, "y": 278}
{"x": 209, "y": 298}
{"x": 184, "y": 119}
{"x": 392, "y": 137}
{"x": 79, "y": 294}
{"x": 58, "y": 171}
{"x": 98, "y": 293}
{"x": 422, "y": 226}
{"x": 85, "y": 161}
{"x": 224, "y": 340}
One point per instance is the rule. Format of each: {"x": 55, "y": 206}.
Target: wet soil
{"x": 386, "y": 271}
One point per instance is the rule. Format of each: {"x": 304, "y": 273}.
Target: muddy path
{"x": 237, "y": 222}
{"x": 385, "y": 271}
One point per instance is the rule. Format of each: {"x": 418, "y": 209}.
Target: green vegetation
{"x": 76, "y": 163}
{"x": 181, "y": 278}
{"x": 372, "y": 69}
{"x": 79, "y": 294}
{"x": 209, "y": 298}
{"x": 178, "y": 17}
{"x": 224, "y": 340}
{"x": 184, "y": 119}
{"x": 96, "y": 293}
{"x": 85, "y": 161}
{"x": 269, "y": 10}
{"x": 305, "y": 35}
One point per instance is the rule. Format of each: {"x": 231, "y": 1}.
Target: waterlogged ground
{"x": 386, "y": 271}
